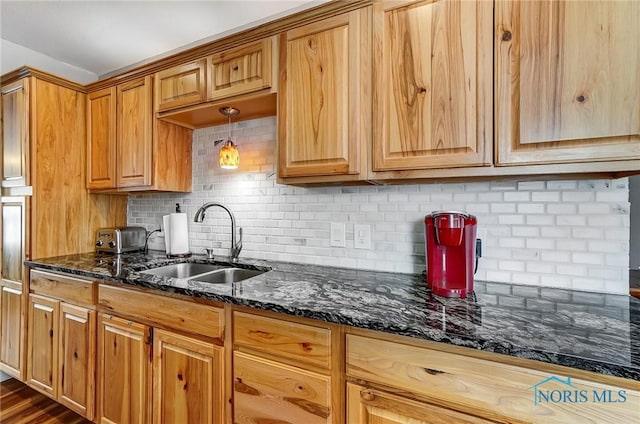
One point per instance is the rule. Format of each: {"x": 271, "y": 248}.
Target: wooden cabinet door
{"x": 124, "y": 372}
{"x": 11, "y": 329}
{"x": 241, "y": 70}
{"x": 432, "y": 84}
{"x": 370, "y": 406}
{"x": 567, "y": 81}
{"x": 101, "y": 139}
{"x": 42, "y": 344}
{"x": 14, "y": 249}
{"x": 135, "y": 136}
{"x": 268, "y": 391}
{"x": 322, "y": 112}
{"x": 187, "y": 379}
{"x": 77, "y": 356}
{"x": 180, "y": 86}
{"x": 15, "y": 133}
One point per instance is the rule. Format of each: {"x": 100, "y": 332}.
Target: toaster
{"x": 120, "y": 239}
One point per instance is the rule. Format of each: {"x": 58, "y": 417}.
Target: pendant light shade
{"x": 228, "y": 157}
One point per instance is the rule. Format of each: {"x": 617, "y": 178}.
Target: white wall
{"x": 572, "y": 234}
{"x": 634, "y": 243}
{"x": 14, "y": 56}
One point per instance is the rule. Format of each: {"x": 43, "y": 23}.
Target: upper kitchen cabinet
{"x": 134, "y": 146}
{"x": 15, "y": 133}
{"x": 567, "y": 81}
{"x": 181, "y": 85}
{"x": 323, "y": 112}
{"x": 241, "y": 70}
{"x": 101, "y": 136}
{"x": 432, "y": 85}
{"x": 191, "y": 94}
{"x": 128, "y": 148}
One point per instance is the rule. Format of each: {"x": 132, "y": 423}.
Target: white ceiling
{"x": 106, "y": 36}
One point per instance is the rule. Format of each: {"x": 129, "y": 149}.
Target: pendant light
{"x": 228, "y": 156}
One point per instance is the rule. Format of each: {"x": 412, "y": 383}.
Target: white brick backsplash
{"x": 562, "y": 185}
{"x": 545, "y": 196}
{"x": 612, "y": 196}
{"x": 567, "y": 233}
{"x": 531, "y": 185}
{"x": 527, "y": 208}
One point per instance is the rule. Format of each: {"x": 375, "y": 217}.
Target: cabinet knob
{"x": 506, "y": 36}
{"x": 367, "y": 395}
{"x": 235, "y": 68}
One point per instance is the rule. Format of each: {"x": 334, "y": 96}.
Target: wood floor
{"x": 20, "y": 404}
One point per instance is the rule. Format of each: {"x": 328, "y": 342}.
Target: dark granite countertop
{"x": 583, "y": 330}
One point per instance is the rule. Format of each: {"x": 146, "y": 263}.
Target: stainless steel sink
{"x": 183, "y": 270}
{"x": 227, "y": 275}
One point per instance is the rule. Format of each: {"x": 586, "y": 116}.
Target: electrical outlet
{"x": 338, "y": 234}
{"x": 362, "y": 236}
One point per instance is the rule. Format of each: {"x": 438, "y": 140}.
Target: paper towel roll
{"x": 178, "y": 234}
{"x": 166, "y": 224}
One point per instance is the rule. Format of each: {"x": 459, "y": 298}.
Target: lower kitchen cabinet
{"x": 269, "y": 391}
{"x": 42, "y": 342}
{"x": 76, "y": 358}
{"x": 370, "y": 406}
{"x": 124, "y": 371}
{"x": 286, "y": 370}
{"x": 148, "y": 372}
{"x": 188, "y": 380}
{"x": 11, "y": 329}
{"x": 416, "y": 383}
{"x": 61, "y": 352}
{"x": 61, "y": 340}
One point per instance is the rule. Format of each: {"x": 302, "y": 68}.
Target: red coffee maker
{"x": 450, "y": 241}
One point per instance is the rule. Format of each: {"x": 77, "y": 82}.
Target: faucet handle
{"x": 209, "y": 251}
{"x": 235, "y": 250}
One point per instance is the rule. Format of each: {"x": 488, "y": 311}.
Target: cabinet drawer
{"x": 293, "y": 341}
{"x": 486, "y": 388}
{"x": 268, "y": 391}
{"x": 180, "y": 86}
{"x": 71, "y": 289}
{"x": 242, "y": 70}
{"x": 164, "y": 311}
{"x": 366, "y": 405}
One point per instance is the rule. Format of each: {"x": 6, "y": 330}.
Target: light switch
{"x": 338, "y": 234}
{"x": 362, "y": 236}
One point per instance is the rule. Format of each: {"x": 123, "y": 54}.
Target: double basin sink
{"x": 205, "y": 273}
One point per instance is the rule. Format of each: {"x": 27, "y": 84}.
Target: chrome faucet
{"x": 234, "y": 252}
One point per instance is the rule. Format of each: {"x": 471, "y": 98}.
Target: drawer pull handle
{"x": 367, "y": 395}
